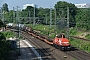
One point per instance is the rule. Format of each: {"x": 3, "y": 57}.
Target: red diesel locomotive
{"x": 61, "y": 42}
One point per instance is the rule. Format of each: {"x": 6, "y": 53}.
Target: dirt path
{"x": 82, "y": 35}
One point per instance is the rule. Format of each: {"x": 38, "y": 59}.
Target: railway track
{"x": 46, "y": 51}
{"x": 80, "y": 38}
{"x": 41, "y": 50}
{"x": 56, "y": 54}
{"x": 79, "y": 54}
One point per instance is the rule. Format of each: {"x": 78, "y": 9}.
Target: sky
{"x": 39, "y": 3}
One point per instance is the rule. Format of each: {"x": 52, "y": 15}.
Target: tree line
{"x": 78, "y": 17}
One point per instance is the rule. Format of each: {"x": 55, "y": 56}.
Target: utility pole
{"x": 13, "y": 14}
{"x": 17, "y": 15}
{"x": 46, "y": 18}
{"x": 18, "y": 28}
{"x": 3, "y": 15}
{"x": 20, "y": 16}
{"x": 50, "y": 17}
{"x": 1, "y": 12}
{"x": 34, "y": 16}
{"x": 29, "y": 17}
{"x": 55, "y": 18}
{"x": 68, "y": 22}
{"x": 13, "y": 17}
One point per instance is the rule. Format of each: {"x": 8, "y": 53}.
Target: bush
{"x": 88, "y": 36}
{"x": 84, "y": 45}
{"x": 8, "y": 34}
{"x": 73, "y": 31}
{"x": 4, "y": 47}
{"x": 2, "y": 36}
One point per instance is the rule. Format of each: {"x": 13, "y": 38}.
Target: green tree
{"x": 61, "y": 8}
{"x": 9, "y": 16}
{"x": 44, "y": 13}
{"x": 4, "y": 47}
{"x": 1, "y": 23}
{"x": 29, "y": 11}
{"x": 5, "y": 7}
{"x": 41, "y": 12}
{"x": 83, "y": 18}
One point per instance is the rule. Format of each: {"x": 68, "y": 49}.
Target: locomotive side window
{"x": 61, "y": 35}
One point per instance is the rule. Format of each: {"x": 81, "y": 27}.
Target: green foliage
{"x": 44, "y": 13}
{"x": 5, "y": 7}
{"x": 88, "y": 36}
{"x": 84, "y": 45}
{"x": 8, "y": 34}
{"x": 4, "y": 47}
{"x": 73, "y": 31}
{"x": 78, "y": 17}
{"x": 9, "y": 16}
{"x": 44, "y": 29}
{"x": 61, "y": 8}
{"x": 1, "y": 23}
{"x": 2, "y": 36}
{"x": 83, "y": 19}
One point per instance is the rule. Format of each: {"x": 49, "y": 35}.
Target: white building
{"x": 85, "y": 5}
{"x": 25, "y": 6}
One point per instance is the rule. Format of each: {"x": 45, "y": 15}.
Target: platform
{"x": 26, "y": 52}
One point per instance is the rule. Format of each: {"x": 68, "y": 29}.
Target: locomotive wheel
{"x": 69, "y": 49}
{"x": 61, "y": 48}
{"x": 54, "y": 45}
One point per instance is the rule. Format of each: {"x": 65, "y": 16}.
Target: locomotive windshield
{"x": 60, "y": 36}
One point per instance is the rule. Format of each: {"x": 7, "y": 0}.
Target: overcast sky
{"x": 40, "y": 3}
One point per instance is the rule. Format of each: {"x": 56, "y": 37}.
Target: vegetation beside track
{"x": 44, "y": 29}
{"x": 8, "y": 34}
{"x": 81, "y": 44}
{"x": 5, "y": 45}
{"x": 88, "y": 36}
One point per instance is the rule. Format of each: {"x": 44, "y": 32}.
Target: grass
{"x": 75, "y": 32}
{"x": 8, "y": 34}
{"x": 88, "y": 36}
{"x": 84, "y": 45}
{"x": 45, "y": 29}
